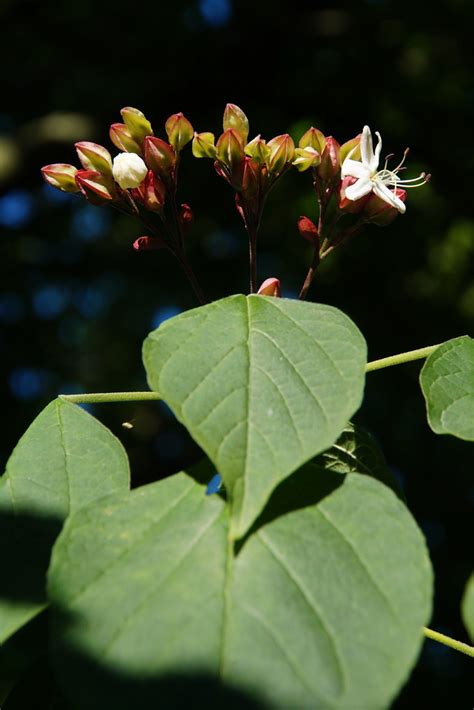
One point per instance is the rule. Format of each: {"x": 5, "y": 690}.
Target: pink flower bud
{"x": 203, "y": 145}
{"x": 179, "y": 131}
{"x": 313, "y": 138}
{"x": 148, "y": 244}
{"x": 154, "y": 192}
{"x": 160, "y": 157}
{"x": 185, "y": 216}
{"x": 350, "y": 206}
{"x": 251, "y": 178}
{"x": 236, "y": 119}
{"x": 94, "y": 157}
{"x": 137, "y": 123}
{"x": 96, "y": 188}
{"x": 122, "y": 139}
{"x": 330, "y": 161}
{"x": 61, "y": 176}
{"x": 379, "y": 212}
{"x": 308, "y": 230}
{"x": 270, "y": 287}
{"x": 282, "y": 153}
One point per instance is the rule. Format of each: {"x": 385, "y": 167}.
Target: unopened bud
{"x": 306, "y": 158}
{"x": 235, "y": 118}
{"x": 308, "y": 230}
{"x": 379, "y": 212}
{"x": 129, "y": 170}
{"x": 350, "y": 206}
{"x": 179, "y": 131}
{"x": 160, "y": 157}
{"x": 95, "y": 187}
{"x": 185, "y": 216}
{"x": 258, "y": 149}
{"x": 330, "y": 161}
{"x": 148, "y": 244}
{"x": 251, "y": 178}
{"x": 137, "y": 123}
{"x": 282, "y": 152}
{"x": 270, "y": 287}
{"x": 352, "y": 145}
{"x": 153, "y": 192}
{"x": 313, "y": 138}
{"x": 94, "y": 157}
{"x": 122, "y": 139}
{"x": 231, "y": 154}
{"x": 203, "y": 145}
{"x": 61, "y": 176}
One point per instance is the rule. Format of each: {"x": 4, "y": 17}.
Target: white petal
{"x": 366, "y": 147}
{"x": 359, "y": 189}
{"x": 374, "y": 163}
{"x": 388, "y": 196}
{"x": 354, "y": 168}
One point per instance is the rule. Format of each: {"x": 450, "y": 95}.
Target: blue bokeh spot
{"x": 29, "y": 382}
{"x": 164, "y": 313}
{"x": 49, "y": 301}
{"x": 16, "y": 209}
{"x": 215, "y": 13}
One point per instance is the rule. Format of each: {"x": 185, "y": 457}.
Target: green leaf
{"x": 262, "y": 384}
{"x": 356, "y": 451}
{"x": 467, "y": 607}
{"x": 65, "y": 459}
{"x": 447, "y": 382}
{"x": 322, "y": 607}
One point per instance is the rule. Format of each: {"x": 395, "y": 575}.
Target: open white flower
{"x": 129, "y": 170}
{"x": 371, "y": 179}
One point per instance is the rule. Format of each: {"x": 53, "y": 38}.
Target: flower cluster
{"x": 351, "y": 190}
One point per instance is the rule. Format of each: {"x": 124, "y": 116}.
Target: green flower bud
{"x": 203, "y": 145}
{"x": 94, "y": 157}
{"x": 354, "y": 145}
{"x": 282, "y": 152}
{"x": 236, "y": 119}
{"x": 122, "y": 139}
{"x": 258, "y": 149}
{"x": 160, "y": 157}
{"x": 137, "y": 123}
{"x": 229, "y": 149}
{"x": 179, "y": 131}
{"x": 61, "y": 176}
{"x": 313, "y": 138}
{"x": 306, "y": 158}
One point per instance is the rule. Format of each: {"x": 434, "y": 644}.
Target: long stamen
{"x": 405, "y": 153}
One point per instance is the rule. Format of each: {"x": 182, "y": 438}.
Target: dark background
{"x": 76, "y": 301}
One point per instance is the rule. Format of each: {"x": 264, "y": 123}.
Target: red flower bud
{"x": 160, "y": 157}
{"x": 148, "y": 244}
{"x": 330, "y": 161}
{"x": 61, "y": 176}
{"x": 94, "y": 157}
{"x": 270, "y": 287}
{"x": 96, "y": 188}
{"x": 185, "y": 216}
{"x": 251, "y": 178}
{"x": 123, "y": 140}
{"x": 179, "y": 131}
{"x": 379, "y": 212}
{"x": 308, "y": 230}
{"x": 153, "y": 192}
{"x": 350, "y": 206}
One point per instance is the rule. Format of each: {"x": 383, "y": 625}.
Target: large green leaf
{"x": 323, "y": 607}
{"x": 447, "y": 382}
{"x": 467, "y": 607}
{"x": 356, "y": 451}
{"x": 65, "y": 459}
{"x": 262, "y": 384}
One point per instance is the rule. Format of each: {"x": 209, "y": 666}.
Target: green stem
{"x": 448, "y": 641}
{"x": 99, "y": 397}
{"x": 401, "y": 358}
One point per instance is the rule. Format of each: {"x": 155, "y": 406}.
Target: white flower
{"x": 371, "y": 179}
{"x": 129, "y": 170}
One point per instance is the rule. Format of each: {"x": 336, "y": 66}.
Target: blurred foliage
{"x": 76, "y": 301}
